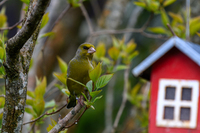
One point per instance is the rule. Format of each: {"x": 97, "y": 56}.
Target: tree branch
{"x": 63, "y": 122}
{"x": 170, "y": 28}
{"x": 16, "y": 43}
{"x": 45, "y": 114}
{"x": 18, "y": 52}
{"x": 76, "y": 121}
{"x": 11, "y": 27}
{"x": 87, "y": 18}
{"x": 124, "y": 99}
{"x": 2, "y": 2}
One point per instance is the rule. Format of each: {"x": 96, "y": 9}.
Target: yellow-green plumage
{"x": 78, "y": 69}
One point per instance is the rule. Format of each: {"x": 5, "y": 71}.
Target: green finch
{"x": 78, "y": 69}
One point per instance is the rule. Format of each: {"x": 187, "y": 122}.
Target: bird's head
{"x": 86, "y": 50}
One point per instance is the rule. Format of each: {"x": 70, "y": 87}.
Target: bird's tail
{"x": 72, "y": 101}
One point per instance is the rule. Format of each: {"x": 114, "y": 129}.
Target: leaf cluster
{"x": 62, "y": 76}
{"x": 120, "y": 54}
{"x": 176, "y": 20}
{"x": 36, "y": 101}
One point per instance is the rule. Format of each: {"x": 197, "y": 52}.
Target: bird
{"x": 78, "y": 69}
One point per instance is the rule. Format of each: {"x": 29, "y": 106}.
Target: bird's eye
{"x": 85, "y": 48}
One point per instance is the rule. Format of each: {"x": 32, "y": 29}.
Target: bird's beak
{"x": 91, "y": 50}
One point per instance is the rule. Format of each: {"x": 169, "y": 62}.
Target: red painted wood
{"x": 173, "y": 65}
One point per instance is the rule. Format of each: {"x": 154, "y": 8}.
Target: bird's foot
{"x": 81, "y": 102}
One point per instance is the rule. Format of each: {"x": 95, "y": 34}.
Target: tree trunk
{"x": 19, "y": 50}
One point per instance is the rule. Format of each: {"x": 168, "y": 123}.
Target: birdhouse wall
{"x": 173, "y": 65}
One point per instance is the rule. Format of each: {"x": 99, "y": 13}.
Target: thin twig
{"x": 188, "y": 20}
{"x": 44, "y": 62}
{"x": 2, "y": 96}
{"x": 45, "y": 114}
{"x": 45, "y": 42}
{"x": 103, "y": 32}
{"x": 147, "y": 22}
{"x": 32, "y": 127}
{"x": 48, "y": 89}
{"x": 2, "y": 2}
{"x": 170, "y": 28}
{"x": 87, "y": 18}
{"x": 124, "y": 99}
{"x": 12, "y": 27}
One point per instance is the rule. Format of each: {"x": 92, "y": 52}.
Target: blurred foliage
{"x": 176, "y": 21}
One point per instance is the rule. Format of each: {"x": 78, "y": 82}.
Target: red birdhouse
{"x": 174, "y": 72}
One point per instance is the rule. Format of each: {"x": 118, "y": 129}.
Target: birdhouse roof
{"x": 189, "y": 49}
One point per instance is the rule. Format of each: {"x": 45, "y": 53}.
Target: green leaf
{"x": 165, "y": 19}
{"x": 77, "y": 82}
{"x": 3, "y": 20}
{"x": 194, "y": 29}
{"x": 61, "y": 77}
{"x": 95, "y": 93}
{"x": 141, "y": 4}
{"x": 198, "y": 34}
{"x": 168, "y": 2}
{"x": 115, "y": 42}
{"x": 31, "y": 63}
{"x": 176, "y": 17}
{"x": 103, "y": 80}
{"x": 2, "y": 70}
{"x": 121, "y": 67}
{"x": 53, "y": 122}
{"x": 100, "y": 50}
{"x": 66, "y": 92}
{"x": 113, "y": 52}
{"x": 62, "y": 65}
{"x": 50, "y": 104}
{"x": 158, "y": 30}
{"x": 49, "y": 128}
{"x": 30, "y": 111}
{"x": 38, "y": 107}
{"x": 45, "y": 20}
{"x": 2, "y": 52}
{"x": 74, "y": 3}
{"x": 85, "y": 97}
{"x": 31, "y": 94}
{"x": 105, "y": 60}
{"x": 130, "y": 46}
{"x": 89, "y": 85}
{"x": 95, "y": 73}
{"x": 60, "y": 87}
{"x": 2, "y": 102}
{"x": 40, "y": 89}
{"x": 30, "y": 102}
{"x": 1, "y": 115}
{"x": 194, "y": 25}
{"x": 153, "y": 6}
{"x": 48, "y": 34}
{"x": 97, "y": 98}
{"x": 130, "y": 57}
{"x": 26, "y": 1}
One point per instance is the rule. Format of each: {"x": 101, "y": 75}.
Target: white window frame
{"x": 177, "y": 103}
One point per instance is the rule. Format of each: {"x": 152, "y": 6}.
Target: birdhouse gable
{"x": 189, "y": 49}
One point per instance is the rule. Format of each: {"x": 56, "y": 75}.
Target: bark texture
{"x": 19, "y": 50}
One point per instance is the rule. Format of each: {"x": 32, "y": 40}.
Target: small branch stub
{"x": 170, "y": 28}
